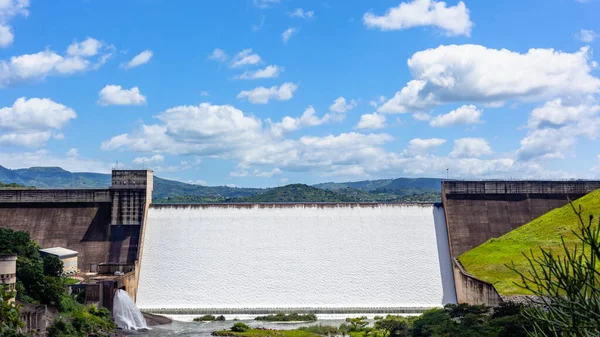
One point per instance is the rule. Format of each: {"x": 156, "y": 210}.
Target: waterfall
{"x": 295, "y": 256}
{"x": 126, "y": 314}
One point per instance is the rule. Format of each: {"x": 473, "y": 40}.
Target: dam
{"x": 317, "y": 256}
{"x": 262, "y": 258}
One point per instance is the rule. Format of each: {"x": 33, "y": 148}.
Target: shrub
{"x": 205, "y": 318}
{"x": 321, "y": 329}
{"x": 240, "y": 327}
{"x": 293, "y": 317}
{"x": 358, "y": 323}
{"x": 53, "y": 266}
{"x": 220, "y": 318}
{"x": 61, "y": 328}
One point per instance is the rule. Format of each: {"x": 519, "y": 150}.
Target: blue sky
{"x": 269, "y": 92}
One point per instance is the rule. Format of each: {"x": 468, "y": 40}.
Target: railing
{"x": 305, "y": 310}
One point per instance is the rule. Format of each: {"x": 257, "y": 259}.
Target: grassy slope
{"x": 488, "y": 261}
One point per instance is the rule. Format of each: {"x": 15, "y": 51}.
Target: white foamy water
{"x": 126, "y": 314}
{"x": 295, "y": 256}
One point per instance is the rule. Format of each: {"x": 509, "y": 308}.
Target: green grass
{"x": 488, "y": 261}
{"x": 70, "y": 281}
{"x": 265, "y": 333}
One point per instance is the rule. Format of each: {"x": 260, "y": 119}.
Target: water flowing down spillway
{"x": 295, "y": 256}
{"x": 126, "y": 314}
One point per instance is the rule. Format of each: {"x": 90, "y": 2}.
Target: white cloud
{"x": 141, "y": 58}
{"x": 48, "y": 63}
{"x": 8, "y": 10}
{"x": 262, "y": 95}
{"x": 587, "y": 35}
{"x": 421, "y": 116}
{"x": 289, "y": 124}
{"x": 300, "y": 13}
{"x": 256, "y": 173}
{"x": 157, "y": 158}
{"x": 371, "y": 122}
{"x": 32, "y": 122}
{"x": 341, "y": 106}
{"x": 271, "y": 71}
{"x": 465, "y": 115}
{"x": 73, "y": 152}
{"x": 375, "y": 103}
{"x": 218, "y": 55}
{"x": 475, "y": 73}
{"x": 453, "y": 20}
{"x": 470, "y": 147}
{"x": 116, "y": 95}
{"x": 245, "y": 58}
{"x": 21, "y": 159}
{"x": 555, "y": 128}
{"x": 419, "y": 145}
{"x": 287, "y": 34}
{"x": 87, "y": 48}
{"x": 204, "y": 93}
{"x": 264, "y": 3}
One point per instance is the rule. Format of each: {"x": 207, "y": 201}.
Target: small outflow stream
{"x": 126, "y": 313}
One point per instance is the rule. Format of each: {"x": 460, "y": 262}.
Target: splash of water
{"x": 126, "y": 313}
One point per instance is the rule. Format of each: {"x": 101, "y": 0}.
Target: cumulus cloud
{"x": 287, "y": 34}
{"x": 470, "y": 148}
{"x": 418, "y": 145}
{"x": 32, "y": 122}
{"x": 300, "y": 13}
{"x": 264, "y": 3}
{"x": 465, "y": 115}
{"x": 375, "y": 103}
{"x": 555, "y": 127}
{"x": 262, "y": 95}
{"x": 341, "y": 106}
{"x": 245, "y": 58}
{"x": 157, "y": 158}
{"x": 218, "y": 55}
{"x": 288, "y": 124}
{"x": 475, "y": 73}
{"x": 116, "y": 95}
{"x": 587, "y": 35}
{"x": 73, "y": 152}
{"x": 141, "y": 58}
{"x": 8, "y": 10}
{"x": 271, "y": 71}
{"x": 80, "y": 56}
{"x": 371, "y": 122}
{"x": 453, "y": 20}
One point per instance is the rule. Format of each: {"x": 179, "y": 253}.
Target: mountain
{"x": 297, "y": 193}
{"x": 170, "y": 191}
{"x": 399, "y": 186}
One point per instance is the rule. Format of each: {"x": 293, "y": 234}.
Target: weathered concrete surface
{"x": 470, "y": 289}
{"x": 479, "y": 210}
{"x": 54, "y": 196}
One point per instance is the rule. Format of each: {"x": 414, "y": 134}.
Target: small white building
{"x": 8, "y": 271}
{"x": 67, "y": 256}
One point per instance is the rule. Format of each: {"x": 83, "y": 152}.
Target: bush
{"x": 53, "y": 266}
{"x": 321, "y": 329}
{"x": 358, "y": 323}
{"x": 240, "y": 327}
{"x": 205, "y": 318}
{"x": 61, "y": 328}
{"x": 293, "y": 317}
{"x": 220, "y": 318}
{"x": 68, "y": 304}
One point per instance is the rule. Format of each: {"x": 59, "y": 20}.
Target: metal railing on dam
{"x": 519, "y": 187}
{"x": 306, "y": 310}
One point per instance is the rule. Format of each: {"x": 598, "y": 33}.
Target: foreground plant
{"x": 566, "y": 286}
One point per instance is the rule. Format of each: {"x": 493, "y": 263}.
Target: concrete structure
{"x": 67, "y": 256}
{"x": 477, "y": 211}
{"x": 102, "y": 225}
{"x": 8, "y": 270}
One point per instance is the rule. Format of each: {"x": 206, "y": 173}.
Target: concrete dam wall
{"x": 319, "y": 256}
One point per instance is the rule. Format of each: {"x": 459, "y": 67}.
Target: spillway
{"x": 338, "y": 256}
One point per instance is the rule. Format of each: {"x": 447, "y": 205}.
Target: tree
{"x": 567, "y": 286}
{"x": 358, "y": 323}
{"x": 53, "y": 266}
{"x": 10, "y": 315}
{"x": 393, "y": 326}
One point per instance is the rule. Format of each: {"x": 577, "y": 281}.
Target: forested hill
{"x": 170, "y": 191}
{"x": 297, "y": 193}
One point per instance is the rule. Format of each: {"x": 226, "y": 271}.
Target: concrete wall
{"x": 479, "y": 210}
{"x": 101, "y": 225}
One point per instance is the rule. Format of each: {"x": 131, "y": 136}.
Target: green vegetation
{"x": 293, "y": 317}
{"x": 453, "y": 320}
{"x": 11, "y": 185}
{"x": 566, "y": 284}
{"x": 10, "y": 317}
{"x": 39, "y": 281}
{"x": 297, "y": 193}
{"x": 208, "y": 318}
{"x": 488, "y": 261}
